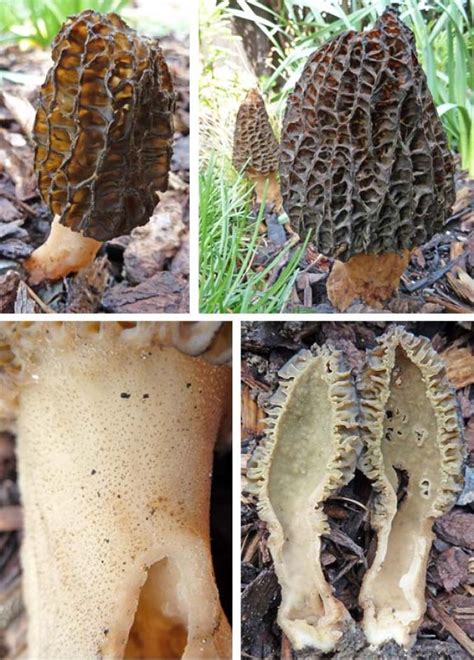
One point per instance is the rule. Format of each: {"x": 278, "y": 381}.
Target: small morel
{"x": 364, "y": 160}
{"x": 103, "y": 133}
{"x": 256, "y": 148}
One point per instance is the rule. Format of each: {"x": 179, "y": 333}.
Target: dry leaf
{"x": 459, "y": 365}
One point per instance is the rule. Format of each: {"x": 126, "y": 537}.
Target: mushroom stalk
{"x": 64, "y": 252}
{"x": 115, "y": 448}
{"x": 267, "y": 187}
{"x": 373, "y": 278}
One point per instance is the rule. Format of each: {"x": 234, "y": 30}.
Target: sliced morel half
{"x": 308, "y": 454}
{"x": 413, "y": 454}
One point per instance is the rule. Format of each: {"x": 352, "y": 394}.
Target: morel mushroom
{"x": 364, "y": 160}
{"x": 413, "y": 452}
{"x": 103, "y": 134}
{"x": 116, "y": 429}
{"x": 309, "y": 453}
{"x": 256, "y": 148}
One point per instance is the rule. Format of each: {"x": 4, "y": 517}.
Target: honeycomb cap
{"x": 104, "y": 126}
{"x": 255, "y": 144}
{"x": 364, "y": 161}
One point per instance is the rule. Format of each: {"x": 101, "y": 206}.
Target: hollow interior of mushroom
{"x": 412, "y": 464}
{"x": 295, "y": 483}
{"x": 159, "y": 628}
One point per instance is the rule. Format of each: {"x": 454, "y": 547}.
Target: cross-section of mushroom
{"x": 364, "y": 160}
{"x": 116, "y": 429}
{"x": 256, "y": 148}
{"x": 308, "y": 454}
{"x": 103, "y": 134}
{"x": 413, "y": 454}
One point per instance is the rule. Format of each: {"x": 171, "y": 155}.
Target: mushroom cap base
{"x": 371, "y": 277}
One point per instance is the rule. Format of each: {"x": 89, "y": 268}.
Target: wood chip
{"x": 86, "y": 289}
{"x": 439, "y": 614}
{"x": 23, "y": 303}
{"x": 152, "y": 245}
{"x": 163, "y": 293}
{"x": 18, "y": 164}
{"x": 11, "y": 518}
{"x": 462, "y": 284}
{"x": 8, "y": 288}
{"x": 459, "y": 365}
{"x": 457, "y": 527}
{"x": 253, "y": 417}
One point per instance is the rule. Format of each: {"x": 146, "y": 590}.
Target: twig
{"x": 348, "y": 499}
{"x": 434, "y": 277}
{"x": 46, "y": 309}
{"x": 441, "y": 298}
{"x": 345, "y": 570}
{"x": 439, "y": 614}
{"x": 291, "y": 243}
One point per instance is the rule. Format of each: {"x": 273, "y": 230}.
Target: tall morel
{"x": 364, "y": 160}
{"x": 103, "y": 132}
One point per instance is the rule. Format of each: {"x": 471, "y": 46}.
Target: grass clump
{"x": 38, "y": 21}
{"x": 229, "y": 238}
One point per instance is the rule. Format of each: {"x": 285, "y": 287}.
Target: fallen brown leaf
{"x": 22, "y": 111}
{"x": 459, "y": 365}
{"x": 16, "y": 157}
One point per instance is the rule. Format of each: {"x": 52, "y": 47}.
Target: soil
{"x": 144, "y": 272}
{"x": 448, "y": 626}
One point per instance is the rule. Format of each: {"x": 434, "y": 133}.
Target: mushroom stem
{"x": 392, "y": 593}
{"x": 115, "y": 456}
{"x": 65, "y": 251}
{"x": 371, "y": 277}
{"x": 270, "y": 182}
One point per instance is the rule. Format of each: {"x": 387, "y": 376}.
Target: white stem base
{"x": 64, "y": 252}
